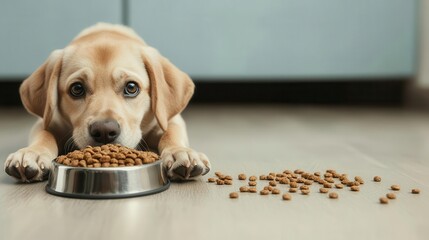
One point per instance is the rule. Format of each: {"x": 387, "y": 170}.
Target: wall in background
{"x": 423, "y": 71}
{"x": 244, "y": 39}
{"x": 31, "y": 30}
{"x": 282, "y": 39}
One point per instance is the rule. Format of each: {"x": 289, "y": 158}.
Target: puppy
{"x": 107, "y": 86}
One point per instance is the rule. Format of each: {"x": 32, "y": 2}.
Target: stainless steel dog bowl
{"x": 109, "y": 182}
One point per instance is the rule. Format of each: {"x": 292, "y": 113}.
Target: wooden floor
{"x": 391, "y": 143}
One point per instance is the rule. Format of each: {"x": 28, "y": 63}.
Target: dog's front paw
{"x": 184, "y": 163}
{"x": 29, "y": 164}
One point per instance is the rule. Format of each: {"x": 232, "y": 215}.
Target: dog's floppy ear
{"x": 170, "y": 88}
{"x": 39, "y": 91}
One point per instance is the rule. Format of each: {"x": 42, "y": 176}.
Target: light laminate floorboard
{"x": 391, "y": 143}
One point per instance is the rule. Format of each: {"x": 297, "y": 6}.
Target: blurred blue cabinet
{"x": 224, "y": 39}
{"x": 282, "y": 39}
{"x": 31, "y": 30}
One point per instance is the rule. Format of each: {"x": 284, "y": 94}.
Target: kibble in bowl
{"x": 109, "y": 155}
{"x": 108, "y": 171}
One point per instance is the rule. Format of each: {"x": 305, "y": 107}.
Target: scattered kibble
{"x": 391, "y": 196}
{"x": 305, "y": 191}
{"x": 415, "y": 191}
{"x": 233, "y": 195}
{"x": 275, "y": 191}
{"x": 227, "y": 182}
{"x": 273, "y": 183}
{"x": 227, "y": 177}
{"x": 251, "y": 183}
{"x": 333, "y": 195}
{"x": 297, "y": 180}
{"x": 264, "y": 192}
{"x": 219, "y": 182}
{"x": 252, "y": 178}
{"x": 242, "y": 176}
{"x": 286, "y": 196}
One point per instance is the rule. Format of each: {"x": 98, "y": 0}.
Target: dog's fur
{"x": 104, "y": 58}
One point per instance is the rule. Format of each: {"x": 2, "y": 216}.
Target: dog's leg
{"x": 32, "y": 163}
{"x": 180, "y": 161}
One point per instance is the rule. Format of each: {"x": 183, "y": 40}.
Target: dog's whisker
{"x": 70, "y": 145}
{"x": 145, "y": 146}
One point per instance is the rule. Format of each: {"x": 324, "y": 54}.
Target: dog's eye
{"x": 77, "y": 90}
{"x": 131, "y": 89}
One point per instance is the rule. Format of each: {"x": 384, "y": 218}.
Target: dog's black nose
{"x": 105, "y": 131}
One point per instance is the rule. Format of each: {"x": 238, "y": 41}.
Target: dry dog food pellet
{"x": 228, "y": 177}
{"x": 349, "y": 184}
{"x": 252, "y": 178}
{"x": 275, "y": 191}
{"x": 227, "y": 182}
{"x": 377, "y": 179}
{"x": 270, "y": 177}
{"x": 391, "y": 196}
{"x": 293, "y": 185}
{"x": 253, "y": 190}
{"x": 327, "y": 185}
{"x": 292, "y": 190}
{"x": 219, "y": 182}
{"x": 233, "y": 195}
{"x": 298, "y": 171}
{"x": 107, "y": 155}
{"x": 308, "y": 182}
{"x": 264, "y": 192}
{"x": 305, "y": 191}
{"x": 317, "y": 174}
{"x": 244, "y": 189}
{"x": 262, "y": 177}
{"x": 269, "y": 188}
{"x": 304, "y": 187}
{"x": 327, "y": 175}
{"x": 339, "y": 185}
{"x": 218, "y": 174}
{"x": 323, "y": 190}
{"x": 211, "y": 180}
{"x": 395, "y": 187}
{"x": 273, "y": 183}
{"x": 355, "y": 188}
{"x": 415, "y": 191}
{"x": 286, "y": 196}
{"x": 242, "y": 176}
{"x": 284, "y": 181}
{"x": 384, "y": 200}
{"x": 333, "y": 195}
{"x": 252, "y": 183}
{"x": 359, "y": 179}
{"x": 330, "y": 180}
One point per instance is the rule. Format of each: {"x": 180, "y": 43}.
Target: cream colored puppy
{"x": 107, "y": 86}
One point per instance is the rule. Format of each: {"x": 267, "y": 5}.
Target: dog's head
{"x": 105, "y": 87}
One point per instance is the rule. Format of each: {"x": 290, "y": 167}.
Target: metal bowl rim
{"x": 55, "y": 163}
